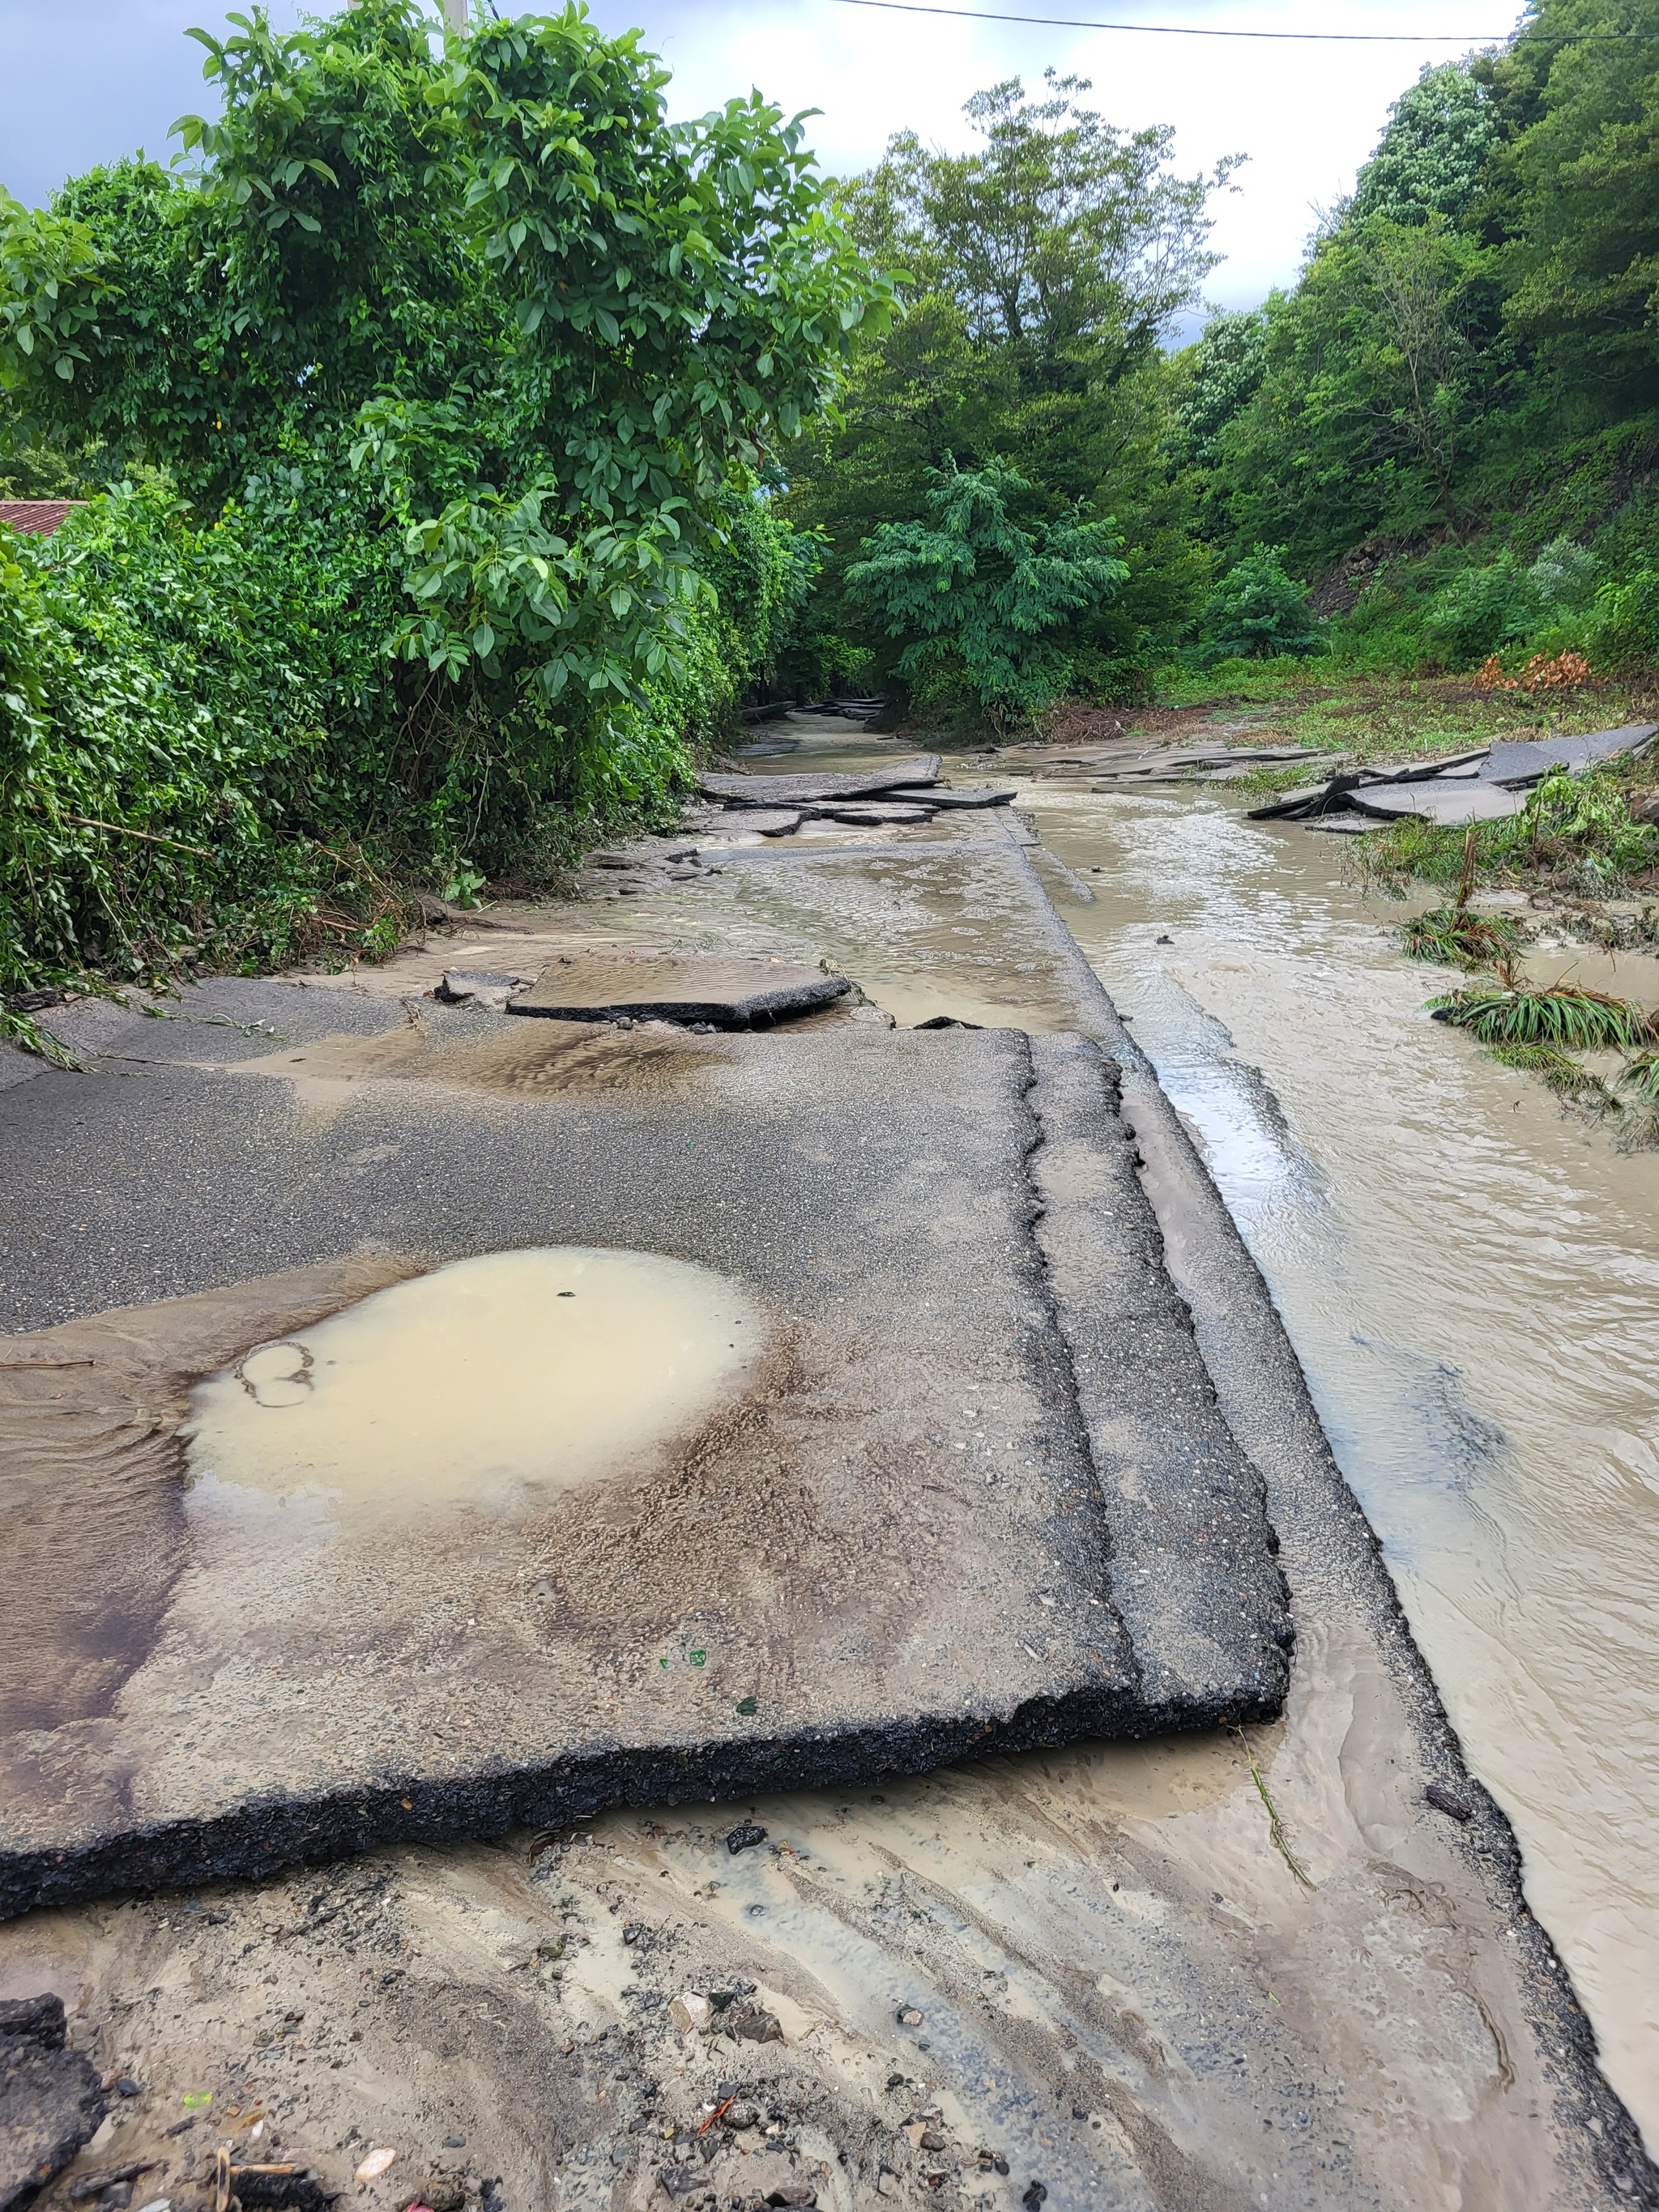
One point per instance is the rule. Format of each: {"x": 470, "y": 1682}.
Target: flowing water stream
{"x": 1470, "y": 1278}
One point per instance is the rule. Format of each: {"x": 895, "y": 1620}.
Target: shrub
{"x": 1624, "y": 629}
{"x": 1258, "y": 612}
{"x": 981, "y": 601}
{"x": 1480, "y": 609}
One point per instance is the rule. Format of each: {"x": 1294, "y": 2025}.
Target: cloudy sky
{"x": 86, "y": 80}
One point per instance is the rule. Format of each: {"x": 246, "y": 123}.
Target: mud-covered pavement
{"x": 1244, "y": 1969}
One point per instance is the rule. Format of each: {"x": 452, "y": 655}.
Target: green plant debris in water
{"x": 1563, "y": 1015}
{"x": 1458, "y": 938}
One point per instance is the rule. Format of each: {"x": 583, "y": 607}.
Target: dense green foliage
{"x": 1450, "y": 424}
{"x": 452, "y": 371}
{"x": 1044, "y": 271}
{"x": 1464, "y": 385}
{"x": 986, "y": 608}
{"x": 479, "y": 436}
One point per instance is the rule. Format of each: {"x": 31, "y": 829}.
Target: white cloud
{"x": 1305, "y": 114}
{"x": 88, "y": 80}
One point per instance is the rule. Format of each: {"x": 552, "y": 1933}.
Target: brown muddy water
{"x": 493, "y": 1382}
{"x": 1469, "y": 1278}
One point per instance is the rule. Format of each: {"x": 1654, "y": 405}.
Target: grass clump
{"x": 1458, "y": 938}
{"x": 1558, "y": 1069}
{"x": 1564, "y": 1016}
{"x": 1641, "y": 1076}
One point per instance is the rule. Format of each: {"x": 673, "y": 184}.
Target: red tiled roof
{"x": 40, "y": 516}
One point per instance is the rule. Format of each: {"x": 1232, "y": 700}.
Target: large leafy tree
{"x": 1043, "y": 270}
{"x": 1576, "y": 195}
{"x": 445, "y": 378}
{"x": 548, "y": 324}
{"x": 1473, "y": 348}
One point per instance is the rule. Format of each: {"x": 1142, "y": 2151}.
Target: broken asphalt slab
{"x": 774, "y": 790}
{"x": 1488, "y": 784}
{"x": 892, "y": 1538}
{"x": 730, "y": 991}
{"x": 50, "y": 2099}
{"x": 1527, "y": 762}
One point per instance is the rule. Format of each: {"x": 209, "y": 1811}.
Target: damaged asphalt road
{"x": 1217, "y": 1969}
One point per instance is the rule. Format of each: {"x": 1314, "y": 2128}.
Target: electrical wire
{"x": 1208, "y": 31}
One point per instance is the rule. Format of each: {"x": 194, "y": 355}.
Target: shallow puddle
{"x": 1470, "y": 1279}
{"x": 494, "y": 1381}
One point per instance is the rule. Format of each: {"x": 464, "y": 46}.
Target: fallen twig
{"x": 12, "y": 1364}
{"x": 1276, "y": 1826}
{"x": 126, "y": 830}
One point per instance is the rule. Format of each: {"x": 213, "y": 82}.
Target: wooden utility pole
{"x": 455, "y": 13}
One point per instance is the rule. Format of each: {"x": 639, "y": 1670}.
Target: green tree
{"x": 1578, "y": 193}
{"x": 985, "y": 605}
{"x": 550, "y": 324}
{"x": 1061, "y": 230}
{"x": 1043, "y": 270}
{"x": 467, "y": 346}
{"x": 1258, "y": 612}
{"x": 1432, "y": 154}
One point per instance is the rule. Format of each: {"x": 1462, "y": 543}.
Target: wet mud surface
{"x": 1256, "y": 1968}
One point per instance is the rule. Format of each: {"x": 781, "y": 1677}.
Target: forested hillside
{"x": 1447, "y": 432}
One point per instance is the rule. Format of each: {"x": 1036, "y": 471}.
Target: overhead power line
{"x": 1208, "y": 31}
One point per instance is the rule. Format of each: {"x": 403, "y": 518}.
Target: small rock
{"x": 932, "y": 2139}
{"x": 1448, "y": 1802}
{"x": 678, "y": 2181}
{"x": 691, "y": 2013}
{"x": 632, "y": 1932}
{"x": 744, "y": 1837}
{"x": 117, "y": 2197}
{"x": 552, "y": 1948}
{"x": 738, "y": 2114}
{"x": 794, "y": 2192}
{"x": 375, "y": 2165}
{"x": 907, "y": 2016}
{"x": 127, "y": 2086}
{"x": 1163, "y": 940}
{"x": 1036, "y": 2195}
{"x": 619, "y": 2153}
{"x": 752, "y": 2025}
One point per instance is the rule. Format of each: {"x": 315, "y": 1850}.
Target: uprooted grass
{"x": 1641, "y": 1075}
{"x": 1457, "y": 938}
{"x": 1566, "y": 1017}
{"x": 1559, "y": 1070}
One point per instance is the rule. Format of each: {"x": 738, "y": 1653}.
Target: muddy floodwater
{"x": 1471, "y": 1281}
{"x": 492, "y": 1382}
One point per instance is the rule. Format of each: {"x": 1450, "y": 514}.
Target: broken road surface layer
{"x": 891, "y": 1534}
{"x": 1212, "y": 1971}
{"x": 733, "y": 993}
